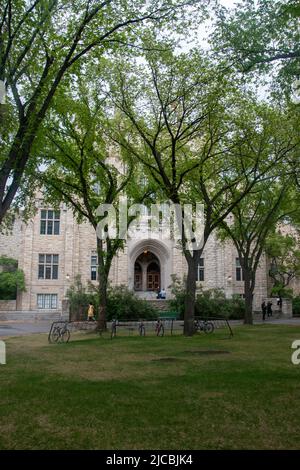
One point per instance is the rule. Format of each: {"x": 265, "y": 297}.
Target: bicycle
{"x": 141, "y": 329}
{"x": 159, "y": 328}
{"x": 60, "y": 334}
{"x": 204, "y": 325}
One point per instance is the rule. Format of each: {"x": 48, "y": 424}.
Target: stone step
{"x": 160, "y": 304}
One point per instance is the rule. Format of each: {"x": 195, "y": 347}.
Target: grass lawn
{"x": 204, "y": 392}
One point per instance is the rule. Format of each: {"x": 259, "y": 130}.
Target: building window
{"x": 47, "y": 301}
{"x": 238, "y": 270}
{"x": 200, "y": 270}
{"x": 50, "y": 220}
{"x": 94, "y": 267}
{"x": 48, "y": 266}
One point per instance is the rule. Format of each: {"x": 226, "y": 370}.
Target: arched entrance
{"x": 140, "y": 256}
{"x": 138, "y": 276}
{"x": 147, "y": 272}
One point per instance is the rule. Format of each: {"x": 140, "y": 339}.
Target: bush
{"x": 209, "y": 303}
{"x": 12, "y": 279}
{"x": 296, "y": 306}
{"x": 176, "y": 304}
{"x": 79, "y": 298}
{"x": 121, "y": 303}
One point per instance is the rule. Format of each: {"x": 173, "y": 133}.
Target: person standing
{"x": 264, "y": 310}
{"x": 269, "y": 309}
{"x": 91, "y": 312}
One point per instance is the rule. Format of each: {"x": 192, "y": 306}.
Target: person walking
{"x": 269, "y": 309}
{"x": 91, "y": 312}
{"x": 264, "y": 310}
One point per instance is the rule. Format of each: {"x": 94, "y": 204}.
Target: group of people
{"x": 266, "y": 309}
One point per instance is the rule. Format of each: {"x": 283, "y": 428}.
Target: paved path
{"x": 10, "y": 328}
{"x": 16, "y": 328}
{"x": 280, "y": 321}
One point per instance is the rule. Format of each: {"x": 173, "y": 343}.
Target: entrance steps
{"x": 146, "y": 295}
{"x": 160, "y": 304}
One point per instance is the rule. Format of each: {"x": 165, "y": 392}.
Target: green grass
{"x": 205, "y": 392}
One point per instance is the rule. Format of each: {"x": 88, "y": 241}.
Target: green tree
{"x": 283, "y": 250}
{"x": 193, "y": 132}
{"x": 12, "y": 279}
{"x": 255, "y": 34}
{"x": 42, "y": 43}
{"x": 84, "y": 170}
{"x": 250, "y": 224}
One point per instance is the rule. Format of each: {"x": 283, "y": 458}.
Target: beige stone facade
{"x": 143, "y": 265}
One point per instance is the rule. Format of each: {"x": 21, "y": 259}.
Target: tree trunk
{"x": 102, "y": 287}
{"x": 249, "y": 288}
{"x": 102, "y": 304}
{"x": 189, "y": 311}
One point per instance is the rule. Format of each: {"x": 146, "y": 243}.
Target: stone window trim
{"x": 94, "y": 266}
{"x": 200, "y": 271}
{"x": 48, "y": 266}
{"x": 239, "y": 275}
{"x": 50, "y": 222}
{"x": 47, "y": 301}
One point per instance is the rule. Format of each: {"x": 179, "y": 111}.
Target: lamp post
{"x": 229, "y": 283}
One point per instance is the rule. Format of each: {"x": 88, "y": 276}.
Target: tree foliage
{"x": 199, "y": 138}
{"x": 260, "y": 34}
{"x": 12, "y": 279}
{"x": 42, "y": 43}
{"x": 283, "y": 251}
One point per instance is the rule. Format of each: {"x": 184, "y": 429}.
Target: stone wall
{"x": 8, "y": 305}
{"x": 10, "y": 242}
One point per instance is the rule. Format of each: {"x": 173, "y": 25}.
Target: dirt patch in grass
{"x": 166, "y": 359}
{"x": 207, "y": 352}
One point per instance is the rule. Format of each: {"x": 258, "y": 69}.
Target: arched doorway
{"x": 147, "y": 272}
{"x": 153, "y": 276}
{"x": 138, "y": 276}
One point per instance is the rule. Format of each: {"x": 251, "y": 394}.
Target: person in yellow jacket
{"x": 91, "y": 312}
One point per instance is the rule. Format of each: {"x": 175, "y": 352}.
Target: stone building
{"x": 52, "y": 249}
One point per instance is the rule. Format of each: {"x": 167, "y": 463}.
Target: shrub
{"x": 296, "y": 305}
{"x": 79, "y": 298}
{"x": 209, "y": 303}
{"x": 121, "y": 303}
{"x": 12, "y": 279}
{"x": 176, "y": 303}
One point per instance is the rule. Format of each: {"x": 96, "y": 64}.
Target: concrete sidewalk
{"x": 17, "y": 328}
{"x": 10, "y": 328}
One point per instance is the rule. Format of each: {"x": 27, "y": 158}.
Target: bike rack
{"x": 218, "y": 322}
{"x": 73, "y": 326}
{"x": 60, "y": 322}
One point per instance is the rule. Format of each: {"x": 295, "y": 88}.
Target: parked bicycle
{"x": 159, "y": 328}
{"x": 59, "y": 333}
{"x": 204, "y": 325}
